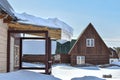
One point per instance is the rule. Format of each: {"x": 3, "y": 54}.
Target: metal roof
{"x": 6, "y": 7}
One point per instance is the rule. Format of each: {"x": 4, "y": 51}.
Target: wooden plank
{"x": 53, "y": 33}
{"x": 35, "y": 68}
{"x": 8, "y": 52}
{"x": 7, "y": 19}
{"x": 2, "y": 15}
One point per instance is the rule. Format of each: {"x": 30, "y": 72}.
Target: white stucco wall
{"x": 3, "y": 46}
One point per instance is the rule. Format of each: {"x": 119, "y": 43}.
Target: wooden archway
{"x": 47, "y": 48}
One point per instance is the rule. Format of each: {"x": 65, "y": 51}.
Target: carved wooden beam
{"x": 2, "y": 15}
{"x": 53, "y": 33}
{"x": 7, "y": 19}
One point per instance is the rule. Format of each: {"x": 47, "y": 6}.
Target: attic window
{"x": 90, "y": 42}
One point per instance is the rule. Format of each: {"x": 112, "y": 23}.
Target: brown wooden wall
{"x": 64, "y": 58}
{"x": 99, "y": 54}
{"x": 33, "y": 58}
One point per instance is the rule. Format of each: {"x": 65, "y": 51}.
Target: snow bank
{"x": 113, "y": 67}
{"x": 25, "y": 64}
{"x": 67, "y": 72}
{"x": 67, "y": 30}
{"x": 26, "y": 75}
{"x": 87, "y": 78}
{"x": 116, "y": 63}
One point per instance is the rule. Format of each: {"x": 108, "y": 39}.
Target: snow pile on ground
{"x": 113, "y": 65}
{"x": 67, "y": 72}
{"x": 26, "y": 75}
{"x": 87, "y": 78}
{"x": 25, "y": 64}
{"x": 116, "y": 63}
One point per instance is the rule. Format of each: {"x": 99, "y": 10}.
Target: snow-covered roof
{"x": 50, "y": 22}
{"x": 66, "y": 30}
{"x": 5, "y": 6}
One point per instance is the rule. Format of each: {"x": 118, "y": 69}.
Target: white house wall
{"x": 3, "y": 46}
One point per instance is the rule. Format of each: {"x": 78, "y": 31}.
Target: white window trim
{"x": 90, "y": 42}
{"x": 80, "y": 59}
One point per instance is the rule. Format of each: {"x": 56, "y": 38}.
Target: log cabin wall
{"x": 3, "y": 46}
{"x": 61, "y": 58}
{"x": 33, "y": 58}
{"x": 99, "y": 54}
{"x": 65, "y": 58}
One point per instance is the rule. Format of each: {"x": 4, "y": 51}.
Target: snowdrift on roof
{"x": 67, "y": 30}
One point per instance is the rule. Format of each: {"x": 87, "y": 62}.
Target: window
{"x": 90, "y": 42}
{"x": 80, "y": 59}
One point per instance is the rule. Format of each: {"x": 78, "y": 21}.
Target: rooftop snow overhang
{"x": 50, "y": 23}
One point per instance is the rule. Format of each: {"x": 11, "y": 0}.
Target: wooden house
{"x": 61, "y": 54}
{"x": 61, "y": 58}
{"x": 63, "y": 48}
{"x": 89, "y": 48}
{"x": 11, "y": 42}
{"x": 113, "y": 56}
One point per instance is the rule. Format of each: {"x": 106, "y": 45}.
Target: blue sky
{"x": 103, "y": 14}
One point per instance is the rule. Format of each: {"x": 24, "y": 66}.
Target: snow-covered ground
{"x": 26, "y": 75}
{"x": 66, "y": 72}
{"x": 24, "y": 64}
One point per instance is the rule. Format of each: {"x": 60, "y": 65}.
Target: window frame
{"x": 90, "y": 42}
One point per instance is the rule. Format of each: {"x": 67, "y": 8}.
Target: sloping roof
{"x": 64, "y": 48}
{"x": 72, "y": 43}
{"x": 89, "y": 27}
{"x": 6, "y": 7}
